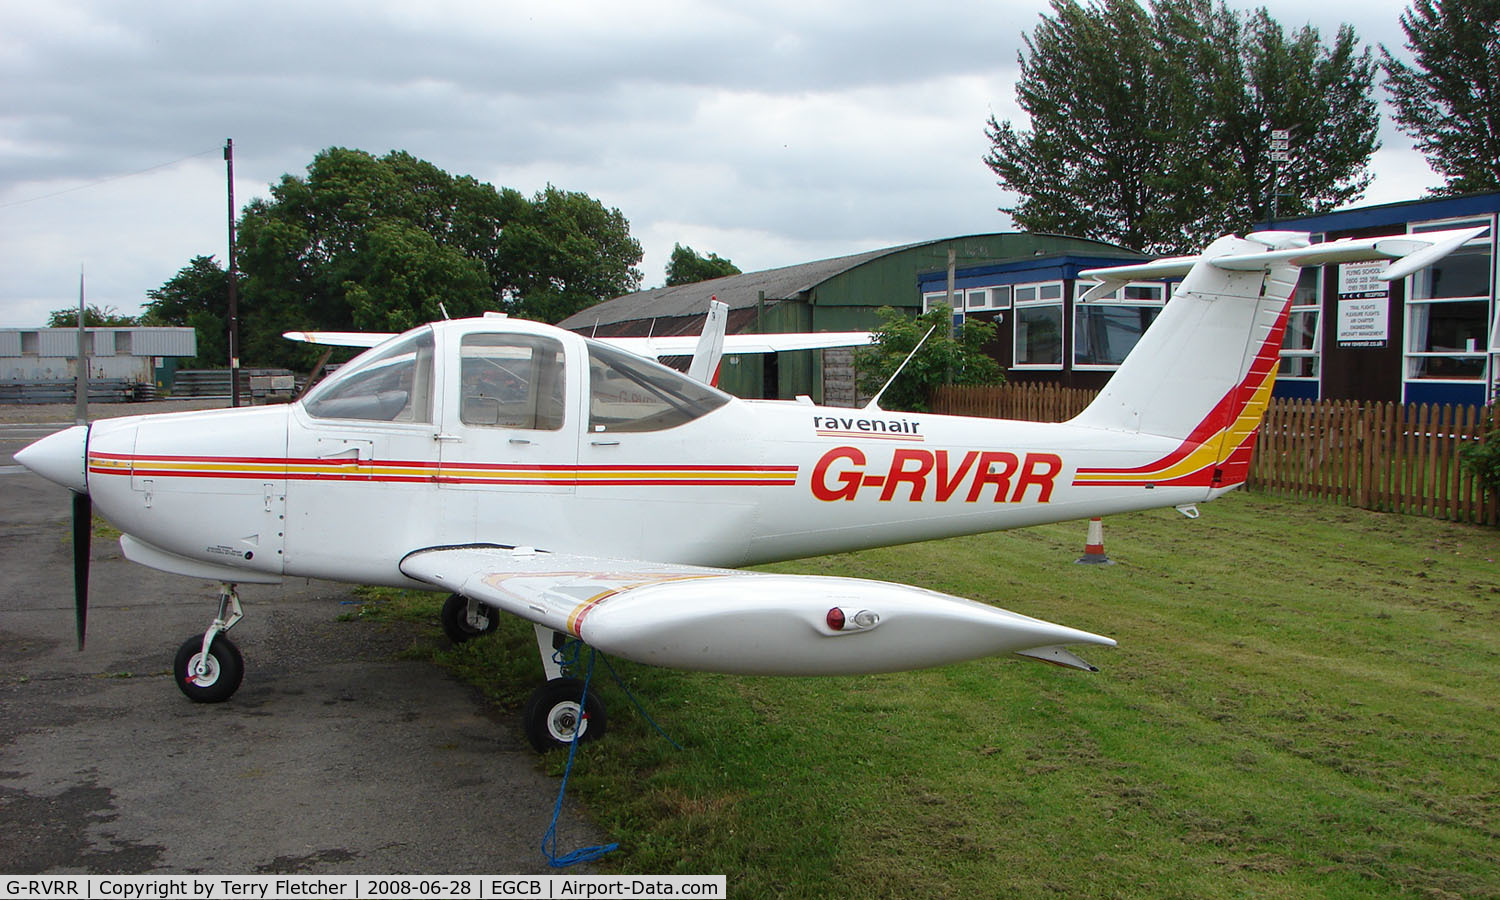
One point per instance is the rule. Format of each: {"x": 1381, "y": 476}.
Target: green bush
{"x": 1483, "y": 460}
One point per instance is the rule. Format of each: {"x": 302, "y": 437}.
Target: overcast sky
{"x": 769, "y": 132}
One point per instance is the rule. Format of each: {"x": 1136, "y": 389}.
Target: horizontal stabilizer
{"x": 1411, "y": 252}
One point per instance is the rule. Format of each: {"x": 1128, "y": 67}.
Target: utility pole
{"x": 234, "y": 288}
{"x": 81, "y": 387}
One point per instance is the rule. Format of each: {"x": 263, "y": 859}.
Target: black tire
{"x": 226, "y": 669}
{"x": 553, "y": 708}
{"x": 455, "y": 618}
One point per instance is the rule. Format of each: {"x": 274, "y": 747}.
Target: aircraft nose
{"x": 60, "y": 457}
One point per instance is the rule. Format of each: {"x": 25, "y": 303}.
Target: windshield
{"x": 628, "y": 393}
{"x": 390, "y": 383}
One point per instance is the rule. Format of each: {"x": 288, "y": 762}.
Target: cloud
{"x": 768, "y": 132}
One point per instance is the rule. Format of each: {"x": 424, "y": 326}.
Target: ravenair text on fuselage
{"x": 606, "y": 498}
{"x": 854, "y": 426}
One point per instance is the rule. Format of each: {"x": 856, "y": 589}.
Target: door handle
{"x": 444, "y": 436}
{"x": 605, "y": 443}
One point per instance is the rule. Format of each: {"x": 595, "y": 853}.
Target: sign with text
{"x": 1364, "y": 305}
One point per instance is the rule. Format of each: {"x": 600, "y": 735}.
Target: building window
{"x": 1301, "y": 348}
{"x": 1449, "y": 309}
{"x": 1107, "y": 328}
{"x": 1038, "y": 325}
{"x": 940, "y": 298}
{"x": 1495, "y": 361}
{"x": 977, "y": 298}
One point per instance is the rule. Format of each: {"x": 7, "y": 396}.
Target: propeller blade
{"x": 83, "y": 533}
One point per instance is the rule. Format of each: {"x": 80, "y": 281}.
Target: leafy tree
{"x": 386, "y": 243}
{"x": 94, "y": 316}
{"x": 197, "y": 296}
{"x": 1449, "y": 101}
{"x": 687, "y": 267}
{"x": 1151, "y": 127}
{"x": 943, "y": 359}
{"x": 565, "y": 251}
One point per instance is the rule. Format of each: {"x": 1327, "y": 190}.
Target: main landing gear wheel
{"x": 222, "y": 670}
{"x": 551, "y": 715}
{"x": 459, "y": 626}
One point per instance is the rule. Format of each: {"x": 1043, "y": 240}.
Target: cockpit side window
{"x": 387, "y": 384}
{"x": 512, "y": 381}
{"x": 627, "y": 393}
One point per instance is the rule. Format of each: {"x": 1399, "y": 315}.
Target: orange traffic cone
{"x": 1093, "y": 551}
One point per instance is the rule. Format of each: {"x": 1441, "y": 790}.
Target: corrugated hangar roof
{"x": 739, "y": 291}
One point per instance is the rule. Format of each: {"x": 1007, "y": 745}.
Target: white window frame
{"x": 1413, "y": 359}
{"x": 1115, "y": 299}
{"x": 935, "y": 298}
{"x": 1314, "y": 306}
{"x": 1037, "y": 301}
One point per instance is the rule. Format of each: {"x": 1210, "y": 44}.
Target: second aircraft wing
{"x": 725, "y": 620}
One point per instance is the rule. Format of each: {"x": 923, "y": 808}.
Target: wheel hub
{"x": 565, "y": 720}
{"x": 203, "y": 670}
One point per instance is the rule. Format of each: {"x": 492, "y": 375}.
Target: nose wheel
{"x": 208, "y": 667}
{"x": 210, "y": 677}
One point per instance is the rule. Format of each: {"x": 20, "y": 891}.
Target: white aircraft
{"x": 604, "y": 497}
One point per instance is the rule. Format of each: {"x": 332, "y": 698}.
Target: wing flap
{"x": 724, "y": 620}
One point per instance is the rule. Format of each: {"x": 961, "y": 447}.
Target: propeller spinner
{"x": 63, "y": 458}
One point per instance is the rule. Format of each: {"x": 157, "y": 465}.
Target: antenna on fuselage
{"x": 875, "y": 400}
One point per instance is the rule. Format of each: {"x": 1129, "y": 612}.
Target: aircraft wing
{"x": 725, "y": 620}
{"x": 684, "y": 345}
{"x": 649, "y": 347}
{"x": 339, "y": 338}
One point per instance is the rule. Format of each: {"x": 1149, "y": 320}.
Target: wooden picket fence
{"x": 1390, "y": 457}
{"x": 1030, "y": 402}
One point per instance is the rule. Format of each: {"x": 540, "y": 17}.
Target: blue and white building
{"x": 1431, "y": 338}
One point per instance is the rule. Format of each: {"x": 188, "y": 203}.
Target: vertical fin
{"x": 710, "y": 349}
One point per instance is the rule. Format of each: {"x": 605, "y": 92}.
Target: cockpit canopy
{"x": 511, "y": 378}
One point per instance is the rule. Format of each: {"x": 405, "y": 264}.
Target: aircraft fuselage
{"x": 255, "y": 494}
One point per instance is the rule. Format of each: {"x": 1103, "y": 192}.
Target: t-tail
{"x": 1202, "y": 373}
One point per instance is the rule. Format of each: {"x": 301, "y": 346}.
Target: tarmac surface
{"x": 335, "y": 756}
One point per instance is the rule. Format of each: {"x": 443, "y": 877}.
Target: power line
{"x": 120, "y": 177}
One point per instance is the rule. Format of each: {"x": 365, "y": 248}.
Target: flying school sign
{"x": 994, "y": 475}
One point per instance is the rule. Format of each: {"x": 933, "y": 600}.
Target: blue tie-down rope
{"x": 568, "y": 657}
{"x": 549, "y": 838}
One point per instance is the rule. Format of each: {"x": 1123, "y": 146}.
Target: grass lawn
{"x": 1303, "y": 704}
